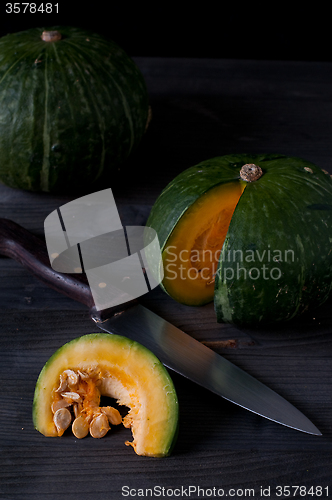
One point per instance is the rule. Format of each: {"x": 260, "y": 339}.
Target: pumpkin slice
{"x": 71, "y": 383}
{"x": 193, "y": 249}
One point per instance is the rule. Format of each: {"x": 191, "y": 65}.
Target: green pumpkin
{"x": 73, "y": 105}
{"x": 257, "y": 241}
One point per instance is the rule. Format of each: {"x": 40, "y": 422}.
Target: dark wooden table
{"x": 201, "y": 109}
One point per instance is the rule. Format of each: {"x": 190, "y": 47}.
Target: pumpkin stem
{"x": 250, "y": 172}
{"x": 51, "y": 36}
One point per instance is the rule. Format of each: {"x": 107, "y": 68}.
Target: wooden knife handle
{"x": 21, "y": 245}
{"x": 26, "y": 248}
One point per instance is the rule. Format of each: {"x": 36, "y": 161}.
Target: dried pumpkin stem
{"x": 250, "y": 172}
{"x": 51, "y": 36}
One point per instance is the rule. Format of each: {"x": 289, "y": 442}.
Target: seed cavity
{"x": 76, "y": 401}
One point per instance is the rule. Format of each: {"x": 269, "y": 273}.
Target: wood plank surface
{"x": 201, "y": 109}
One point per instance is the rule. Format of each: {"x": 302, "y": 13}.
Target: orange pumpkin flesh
{"x": 191, "y": 255}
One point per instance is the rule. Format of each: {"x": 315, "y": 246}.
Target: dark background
{"x": 233, "y": 31}
{"x": 201, "y": 109}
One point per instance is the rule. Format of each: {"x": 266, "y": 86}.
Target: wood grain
{"x": 201, "y": 109}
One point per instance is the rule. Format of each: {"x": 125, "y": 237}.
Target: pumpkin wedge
{"x": 251, "y": 232}
{"x": 71, "y": 383}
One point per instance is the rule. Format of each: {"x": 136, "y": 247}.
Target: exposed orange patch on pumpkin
{"x": 192, "y": 253}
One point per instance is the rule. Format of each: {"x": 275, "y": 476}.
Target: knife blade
{"x": 177, "y": 350}
{"x": 188, "y": 357}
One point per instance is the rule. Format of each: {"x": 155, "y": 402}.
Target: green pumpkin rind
{"x": 69, "y": 109}
{"x": 289, "y": 209}
{"x": 288, "y": 214}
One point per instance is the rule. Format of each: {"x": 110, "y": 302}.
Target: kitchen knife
{"x": 177, "y": 350}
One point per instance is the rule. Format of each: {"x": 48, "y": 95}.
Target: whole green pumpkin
{"x": 72, "y": 105}
{"x": 251, "y": 232}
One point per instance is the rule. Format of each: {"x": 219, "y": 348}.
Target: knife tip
{"x": 313, "y": 430}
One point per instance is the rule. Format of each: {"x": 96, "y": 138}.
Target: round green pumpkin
{"x": 71, "y": 107}
{"x": 271, "y": 237}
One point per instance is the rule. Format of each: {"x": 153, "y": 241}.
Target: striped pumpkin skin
{"x": 69, "y": 109}
{"x": 276, "y": 259}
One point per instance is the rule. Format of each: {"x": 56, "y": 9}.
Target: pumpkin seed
{"x": 83, "y": 375}
{"x": 112, "y": 414}
{"x": 80, "y": 427}
{"x": 72, "y": 377}
{"x": 60, "y": 403}
{"x": 72, "y": 397}
{"x": 62, "y": 419}
{"x": 63, "y": 383}
{"x": 99, "y": 426}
